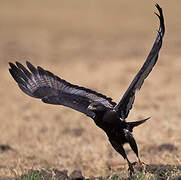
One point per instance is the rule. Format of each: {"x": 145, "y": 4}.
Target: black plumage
{"x": 109, "y": 116}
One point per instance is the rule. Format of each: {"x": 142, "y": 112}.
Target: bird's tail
{"x": 131, "y": 125}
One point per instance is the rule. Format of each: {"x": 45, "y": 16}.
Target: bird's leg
{"x": 134, "y": 147}
{"x": 130, "y": 169}
{"x": 119, "y": 148}
{"x": 141, "y": 164}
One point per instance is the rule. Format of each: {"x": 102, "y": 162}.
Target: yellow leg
{"x": 141, "y": 164}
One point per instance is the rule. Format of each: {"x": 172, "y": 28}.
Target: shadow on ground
{"x": 161, "y": 171}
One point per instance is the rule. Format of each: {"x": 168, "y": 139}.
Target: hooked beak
{"x": 90, "y": 107}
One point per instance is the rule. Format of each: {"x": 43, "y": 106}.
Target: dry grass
{"x": 100, "y": 45}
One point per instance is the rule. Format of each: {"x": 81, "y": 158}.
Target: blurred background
{"x": 99, "y": 45}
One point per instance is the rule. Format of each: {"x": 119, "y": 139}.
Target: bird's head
{"x": 97, "y": 107}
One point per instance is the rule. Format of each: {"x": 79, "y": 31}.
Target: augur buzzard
{"x": 109, "y": 116}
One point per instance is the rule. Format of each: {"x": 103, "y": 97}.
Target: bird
{"x": 107, "y": 115}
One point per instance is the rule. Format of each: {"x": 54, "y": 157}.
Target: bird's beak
{"x": 90, "y": 107}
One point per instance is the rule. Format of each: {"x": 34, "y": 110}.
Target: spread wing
{"x": 125, "y": 105}
{"x": 42, "y": 84}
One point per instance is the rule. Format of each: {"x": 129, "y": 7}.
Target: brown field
{"x": 99, "y": 45}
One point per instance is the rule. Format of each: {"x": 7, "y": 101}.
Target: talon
{"x": 131, "y": 169}
{"x": 142, "y": 164}
{"x": 133, "y": 163}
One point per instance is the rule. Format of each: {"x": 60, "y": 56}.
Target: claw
{"x": 134, "y": 163}
{"x": 131, "y": 169}
{"x": 142, "y": 164}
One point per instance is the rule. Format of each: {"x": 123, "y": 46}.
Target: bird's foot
{"x": 131, "y": 169}
{"x": 142, "y": 164}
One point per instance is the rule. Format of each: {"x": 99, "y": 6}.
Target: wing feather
{"x": 42, "y": 84}
{"x": 125, "y": 105}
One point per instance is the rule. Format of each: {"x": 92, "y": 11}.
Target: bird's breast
{"x": 110, "y": 118}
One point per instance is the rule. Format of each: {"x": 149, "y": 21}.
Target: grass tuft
{"x": 35, "y": 175}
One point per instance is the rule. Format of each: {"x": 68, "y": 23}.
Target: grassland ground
{"x": 99, "y": 45}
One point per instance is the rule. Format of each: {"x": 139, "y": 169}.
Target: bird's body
{"x": 109, "y": 116}
{"x": 118, "y": 131}
{"x": 110, "y": 123}
{"x": 109, "y": 127}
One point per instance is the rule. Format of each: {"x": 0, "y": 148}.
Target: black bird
{"x": 109, "y": 116}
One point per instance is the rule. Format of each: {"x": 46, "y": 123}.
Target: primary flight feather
{"x": 109, "y": 116}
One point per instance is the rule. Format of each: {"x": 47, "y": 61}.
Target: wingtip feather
{"x": 12, "y": 65}
{"x": 18, "y": 63}
{"x": 31, "y": 67}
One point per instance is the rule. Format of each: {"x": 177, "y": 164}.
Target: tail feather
{"x": 131, "y": 125}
